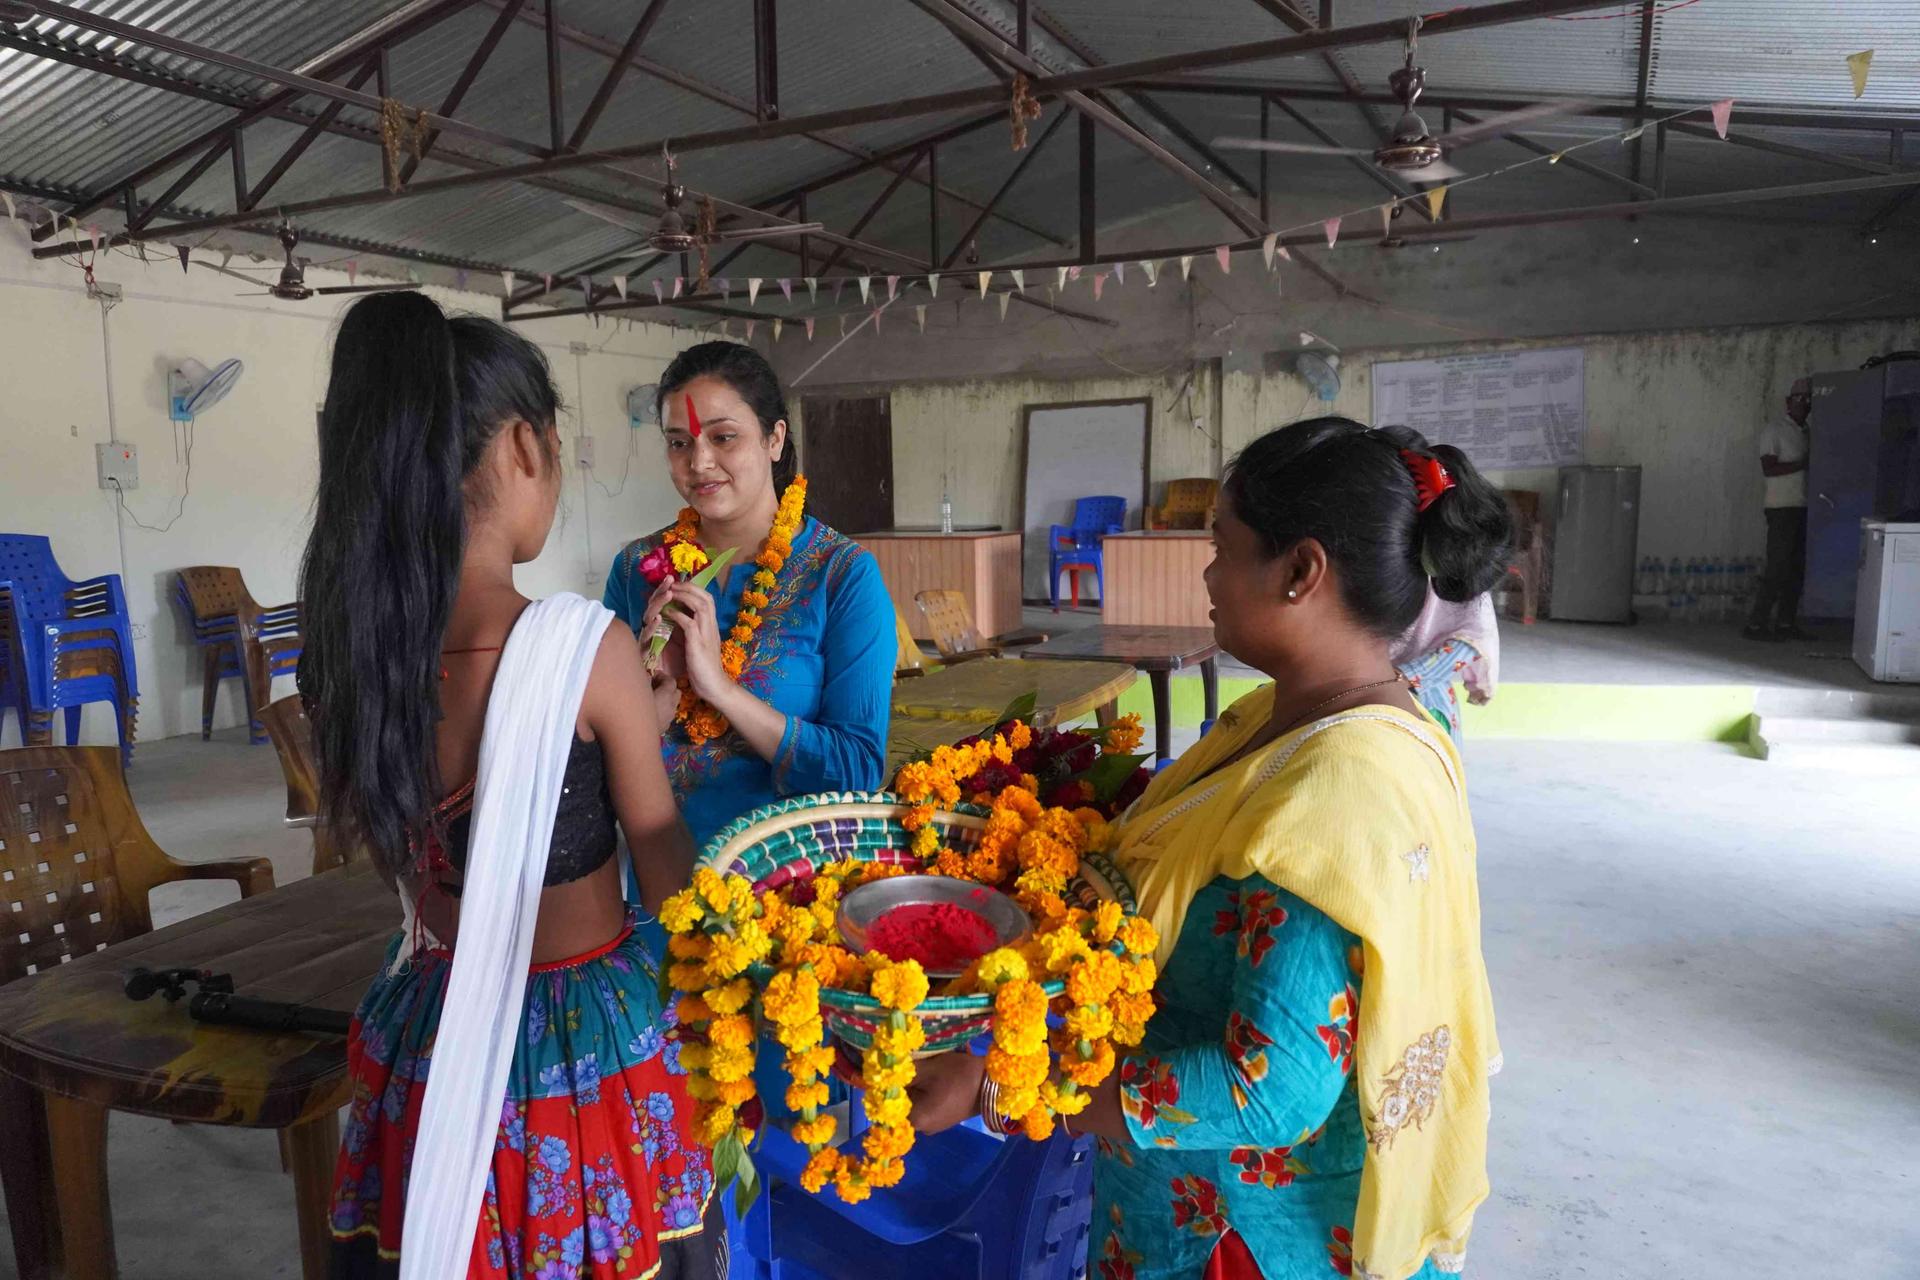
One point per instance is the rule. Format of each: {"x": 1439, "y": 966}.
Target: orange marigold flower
{"x": 820, "y": 1170}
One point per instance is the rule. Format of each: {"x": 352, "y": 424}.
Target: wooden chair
{"x": 1529, "y": 565}
{"x": 240, "y": 637}
{"x": 954, "y": 634}
{"x": 1189, "y": 505}
{"x": 292, "y": 735}
{"x": 76, "y": 866}
{"x": 911, "y": 661}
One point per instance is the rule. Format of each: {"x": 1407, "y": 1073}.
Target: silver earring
{"x": 1292, "y": 594}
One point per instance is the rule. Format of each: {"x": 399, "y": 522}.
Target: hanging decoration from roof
{"x": 1023, "y": 109}
{"x": 398, "y": 133}
{"x": 1722, "y": 113}
{"x": 1859, "y": 64}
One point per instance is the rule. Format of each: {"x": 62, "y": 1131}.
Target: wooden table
{"x": 1153, "y": 579}
{"x": 982, "y": 690}
{"x": 1158, "y": 651}
{"x": 71, "y": 1041}
{"x": 984, "y": 567}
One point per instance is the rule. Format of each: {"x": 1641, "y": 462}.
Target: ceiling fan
{"x": 1411, "y": 151}
{"x": 674, "y": 234}
{"x": 292, "y": 284}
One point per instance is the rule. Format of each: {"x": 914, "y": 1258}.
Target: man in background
{"x": 1783, "y": 460}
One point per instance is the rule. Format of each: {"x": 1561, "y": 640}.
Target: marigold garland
{"x": 729, "y": 946}
{"x": 696, "y": 717}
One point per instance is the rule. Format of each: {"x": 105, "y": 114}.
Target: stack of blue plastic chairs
{"x": 1093, "y": 519}
{"x": 240, "y": 637}
{"x": 67, "y": 644}
{"x": 971, "y": 1207}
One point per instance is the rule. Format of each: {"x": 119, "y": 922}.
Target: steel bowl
{"x": 860, "y": 908}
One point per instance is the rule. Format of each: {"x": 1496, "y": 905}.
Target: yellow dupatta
{"x": 1363, "y": 814}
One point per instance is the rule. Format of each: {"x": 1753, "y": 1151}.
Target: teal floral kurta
{"x": 1241, "y": 1103}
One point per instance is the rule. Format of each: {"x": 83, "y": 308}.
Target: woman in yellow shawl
{"x": 1311, "y": 1099}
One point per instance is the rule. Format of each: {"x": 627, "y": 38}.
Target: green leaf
{"x": 699, "y": 580}
{"x": 747, "y": 1187}
{"x": 1109, "y": 774}
{"x": 1021, "y": 708}
{"x": 727, "y": 1155}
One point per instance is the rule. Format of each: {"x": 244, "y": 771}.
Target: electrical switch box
{"x": 119, "y": 464}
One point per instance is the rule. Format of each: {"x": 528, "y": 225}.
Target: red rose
{"x": 656, "y": 566}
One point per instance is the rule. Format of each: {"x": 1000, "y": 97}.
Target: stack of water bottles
{"x": 1700, "y": 588}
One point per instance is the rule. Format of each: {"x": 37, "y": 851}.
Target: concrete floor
{"x": 1705, "y": 971}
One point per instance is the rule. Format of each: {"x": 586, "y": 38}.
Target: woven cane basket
{"x": 790, "y": 839}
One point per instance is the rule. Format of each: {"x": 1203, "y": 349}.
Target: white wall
{"x": 68, "y": 378}
{"x": 1684, "y": 405}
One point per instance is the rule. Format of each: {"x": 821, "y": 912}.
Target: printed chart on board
{"x": 1504, "y": 409}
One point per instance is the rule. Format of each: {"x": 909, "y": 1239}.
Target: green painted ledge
{"x": 1586, "y": 712}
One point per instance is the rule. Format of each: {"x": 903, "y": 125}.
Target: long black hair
{"x": 752, "y": 379}
{"x": 413, "y": 401}
{"x": 1349, "y": 488}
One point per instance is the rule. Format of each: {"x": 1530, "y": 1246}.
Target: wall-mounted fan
{"x": 192, "y": 388}
{"x": 1320, "y": 372}
{"x": 641, "y": 410}
{"x": 1412, "y": 151}
{"x": 673, "y": 233}
{"x": 292, "y": 284}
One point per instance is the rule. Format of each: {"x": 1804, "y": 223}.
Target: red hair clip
{"x": 1430, "y": 477}
{"x": 693, "y": 420}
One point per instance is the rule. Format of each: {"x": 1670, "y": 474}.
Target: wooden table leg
{"x": 77, "y": 1132}
{"x": 1162, "y": 714}
{"x": 26, "y": 1173}
{"x": 1106, "y": 713}
{"x": 314, "y": 1148}
{"x": 1210, "y": 683}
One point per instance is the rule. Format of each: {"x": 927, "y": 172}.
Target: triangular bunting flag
{"x": 813, "y": 291}
{"x": 460, "y": 279}
{"x": 726, "y": 287}
{"x": 1284, "y": 254}
{"x": 185, "y": 251}
{"x": 838, "y": 285}
{"x": 226, "y": 256}
{"x": 1073, "y": 274}
{"x": 1436, "y": 201}
{"x": 786, "y": 288}
{"x": 1004, "y": 299}
{"x": 8, "y": 197}
{"x": 620, "y": 287}
{"x": 659, "y": 293}
{"x": 1119, "y": 273}
{"x": 1152, "y": 269}
{"x": 866, "y": 289}
{"x": 506, "y": 282}
{"x": 1722, "y": 112}
{"x": 876, "y": 321}
{"x": 893, "y": 287}
{"x": 1859, "y": 64}
{"x": 809, "y": 328}
{"x": 1099, "y": 283}
{"x": 1267, "y": 247}
{"x": 1061, "y": 282}
{"x": 93, "y": 233}
{"x": 753, "y": 290}
{"x": 1332, "y": 228}
{"x": 586, "y": 288}
{"x": 933, "y": 286}
{"x": 920, "y": 316}
{"x": 353, "y": 270}
{"x": 984, "y": 277}
{"x": 751, "y": 325}
{"x": 776, "y": 328}
{"x": 1224, "y": 256}
{"x": 1019, "y": 280}
{"x": 546, "y": 282}
{"x": 679, "y": 282}
{"x": 1386, "y": 218}
{"x": 1186, "y": 265}
{"x": 413, "y": 276}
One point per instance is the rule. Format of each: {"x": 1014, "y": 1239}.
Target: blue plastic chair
{"x": 69, "y": 643}
{"x": 239, "y": 637}
{"x": 971, "y": 1207}
{"x": 1093, "y": 519}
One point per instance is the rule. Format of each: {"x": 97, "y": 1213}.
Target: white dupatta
{"x": 523, "y": 758}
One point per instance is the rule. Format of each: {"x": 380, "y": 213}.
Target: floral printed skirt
{"x": 595, "y": 1170}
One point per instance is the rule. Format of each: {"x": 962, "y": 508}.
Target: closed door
{"x": 846, "y": 450}
{"x": 1843, "y": 450}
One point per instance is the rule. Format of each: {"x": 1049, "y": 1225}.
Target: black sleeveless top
{"x": 584, "y": 833}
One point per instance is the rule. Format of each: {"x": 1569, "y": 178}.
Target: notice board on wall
{"x": 1504, "y": 409}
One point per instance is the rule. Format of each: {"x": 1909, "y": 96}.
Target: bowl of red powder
{"x": 943, "y": 923}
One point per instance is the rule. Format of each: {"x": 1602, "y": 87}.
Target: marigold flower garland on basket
{"x": 1092, "y": 969}
{"x": 681, "y": 553}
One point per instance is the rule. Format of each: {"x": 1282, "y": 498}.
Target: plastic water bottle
{"x": 1736, "y": 586}
{"x": 946, "y": 512}
{"x": 1676, "y": 589}
{"x": 1643, "y": 577}
{"x": 1696, "y": 587}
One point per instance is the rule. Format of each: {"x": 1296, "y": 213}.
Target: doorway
{"x": 846, "y": 451}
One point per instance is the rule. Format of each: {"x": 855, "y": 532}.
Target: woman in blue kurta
{"x": 810, "y": 710}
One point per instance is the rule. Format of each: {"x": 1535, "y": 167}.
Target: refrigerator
{"x": 1596, "y": 538}
{"x": 1886, "y": 623}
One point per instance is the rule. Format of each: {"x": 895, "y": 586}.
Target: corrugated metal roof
{"x": 74, "y": 129}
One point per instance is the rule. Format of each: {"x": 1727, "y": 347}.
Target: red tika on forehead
{"x": 693, "y": 420}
